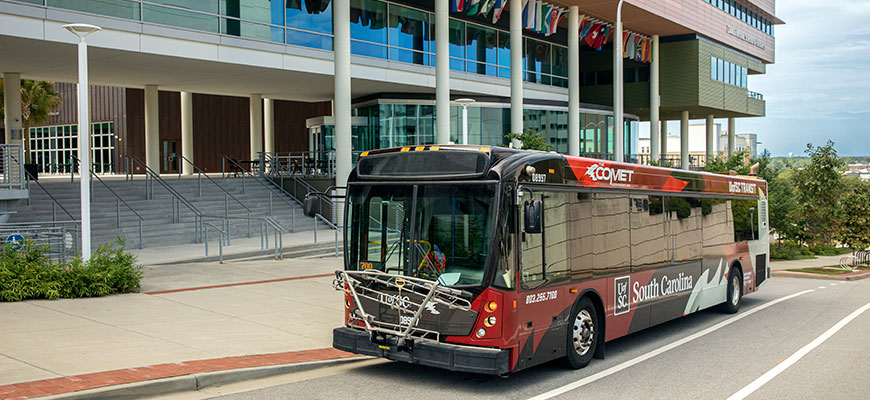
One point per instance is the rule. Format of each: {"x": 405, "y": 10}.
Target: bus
{"x": 491, "y": 260}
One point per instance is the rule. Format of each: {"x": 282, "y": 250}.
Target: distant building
{"x": 697, "y": 144}
{"x": 861, "y": 171}
{"x": 744, "y": 142}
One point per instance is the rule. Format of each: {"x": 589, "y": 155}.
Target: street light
{"x": 464, "y": 102}
{"x": 82, "y": 31}
{"x": 618, "y": 117}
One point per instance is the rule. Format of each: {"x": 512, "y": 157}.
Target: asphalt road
{"x": 786, "y": 327}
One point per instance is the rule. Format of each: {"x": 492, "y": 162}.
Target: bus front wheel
{"x": 583, "y": 331}
{"x": 735, "y": 292}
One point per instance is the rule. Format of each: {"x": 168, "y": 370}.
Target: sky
{"x": 819, "y": 86}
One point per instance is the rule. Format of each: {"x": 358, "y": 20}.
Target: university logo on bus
{"x": 621, "y": 299}
{"x": 602, "y": 173}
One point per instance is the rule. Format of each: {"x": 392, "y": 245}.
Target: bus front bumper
{"x": 478, "y": 360}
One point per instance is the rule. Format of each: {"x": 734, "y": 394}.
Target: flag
{"x": 539, "y": 16}
{"x": 593, "y": 34}
{"x": 609, "y": 34}
{"x": 546, "y": 10}
{"x": 585, "y": 27}
{"x": 605, "y": 33}
{"x": 499, "y": 7}
{"x": 557, "y": 16}
{"x": 487, "y": 7}
{"x": 473, "y": 7}
{"x": 294, "y": 4}
{"x": 626, "y": 39}
{"x": 527, "y": 9}
{"x": 457, "y": 5}
{"x": 599, "y": 38}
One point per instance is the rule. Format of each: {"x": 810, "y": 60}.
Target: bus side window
{"x": 532, "y": 247}
{"x": 545, "y": 254}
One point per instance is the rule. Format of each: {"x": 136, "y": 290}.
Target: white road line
{"x": 822, "y": 287}
{"x": 612, "y": 370}
{"x": 763, "y": 379}
{"x": 833, "y": 284}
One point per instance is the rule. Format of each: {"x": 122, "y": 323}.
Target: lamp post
{"x": 618, "y": 117}
{"x": 464, "y": 102}
{"x": 82, "y": 31}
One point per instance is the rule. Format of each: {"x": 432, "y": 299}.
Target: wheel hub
{"x": 584, "y": 332}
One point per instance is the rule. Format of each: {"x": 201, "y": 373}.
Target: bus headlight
{"x": 481, "y": 332}
{"x": 491, "y": 306}
{"x": 347, "y": 303}
{"x": 489, "y": 322}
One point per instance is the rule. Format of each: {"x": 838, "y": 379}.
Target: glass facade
{"x": 728, "y": 72}
{"x": 378, "y": 29}
{"x": 393, "y": 125}
{"x": 52, "y": 146}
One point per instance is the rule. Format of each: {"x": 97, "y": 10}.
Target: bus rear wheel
{"x": 583, "y": 331}
{"x": 735, "y": 292}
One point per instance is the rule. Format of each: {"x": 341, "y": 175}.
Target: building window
{"x": 726, "y": 72}
{"x": 368, "y": 28}
{"x": 409, "y": 38}
{"x": 52, "y": 147}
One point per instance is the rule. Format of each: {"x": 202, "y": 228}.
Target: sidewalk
{"x": 781, "y": 268}
{"x": 822, "y": 261}
{"x": 189, "y": 318}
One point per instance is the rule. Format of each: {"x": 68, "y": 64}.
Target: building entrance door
{"x": 169, "y": 155}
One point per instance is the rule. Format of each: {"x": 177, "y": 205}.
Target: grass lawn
{"x": 831, "y": 270}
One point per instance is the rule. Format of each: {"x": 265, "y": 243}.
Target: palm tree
{"x": 38, "y": 99}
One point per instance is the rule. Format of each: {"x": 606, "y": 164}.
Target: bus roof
{"x": 555, "y": 169}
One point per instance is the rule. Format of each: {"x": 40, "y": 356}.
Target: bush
{"x": 788, "y": 250}
{"x": 27, "y": 273}
{"x": 830, "y": 250}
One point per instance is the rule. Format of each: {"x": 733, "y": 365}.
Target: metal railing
{"x": 308, "y": 163}
{"x": 61, "y": 241}
{"x": 755, "y": 95}
{"x": 271, "y": 186}
{"x": 118, "y": 200}
{"x": 266, "y": 223}
{"x": 11, "y": 167}
{"x": 696, "y": 162}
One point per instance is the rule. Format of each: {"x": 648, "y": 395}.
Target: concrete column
{"x": 654, "y": 102}
{"x": 684, "y": 140}
{"x": 342, "y": 105}
{"x": 12, "y": 107}
{"x": 442, "y": 72}
{"x": 732, "y": 131}
{"x": 269, "y": 125}
{"x": 152, "y": 128}
{"x": 256, "y": 117}
{"x": 573, "y": 81}
{"x": 711, "y": 141}
{"x": 187, "y": 132}
{"x": 664, "y": 136}
{"x": 618, "y": 112}
{"x": 516, "y": 32}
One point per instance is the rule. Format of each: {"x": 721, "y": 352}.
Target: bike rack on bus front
{"x": 364, "y": 284}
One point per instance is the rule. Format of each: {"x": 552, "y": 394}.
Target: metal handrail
{"x": 201, "y": 174}
{"x": 270, "y": 187}
{"x": 308, "y": 187}
{"x": 220, "y": 242}
{"x": 118, "y": 198}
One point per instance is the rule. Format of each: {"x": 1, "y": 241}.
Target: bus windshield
{"x": 434, "y": 231}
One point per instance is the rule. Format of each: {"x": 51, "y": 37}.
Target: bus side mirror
{"x": 311, "y": 205}
{"x": 532, "y": 222}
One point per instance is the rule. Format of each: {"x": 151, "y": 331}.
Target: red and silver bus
{"x": 491, "y": 260}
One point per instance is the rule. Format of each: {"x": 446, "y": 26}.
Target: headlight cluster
{"x": 489, "y": 321}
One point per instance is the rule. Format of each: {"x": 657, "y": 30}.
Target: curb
{"x": 198, "y": 381}
{"x": 264, "y": 253}
{"x": 808, "y": 275}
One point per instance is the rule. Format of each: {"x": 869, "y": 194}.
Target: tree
{"x": 38, "y": 99}
{"x": 855, "y": 203}
{"x": 531, "y": 139}
{"x": 736, "y": 162}
{"x": 820, "y": 187}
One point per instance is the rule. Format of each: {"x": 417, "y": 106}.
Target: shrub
{"x": 788, "y": 250}
{"x": 830, "y": 250}
{"x": 27, "y": 273}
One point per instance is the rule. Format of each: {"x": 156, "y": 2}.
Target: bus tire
{"x": 735, "y": 292}
{"x": 583, "y": 330}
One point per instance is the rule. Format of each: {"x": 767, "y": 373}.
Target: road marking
{"x": 822, "y": 287}
{"x": 833, "y": 284}
{"x": 763, "y": 379}
{"x": 637, "y": 360}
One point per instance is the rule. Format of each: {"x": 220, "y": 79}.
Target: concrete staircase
{"x": 157, "y": 226}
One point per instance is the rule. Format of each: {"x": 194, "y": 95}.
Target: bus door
{"x": 544, "y": 304}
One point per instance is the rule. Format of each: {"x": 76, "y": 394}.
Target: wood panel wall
{"x": 290, "y": 131}
{"x": 221, "y": 126}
